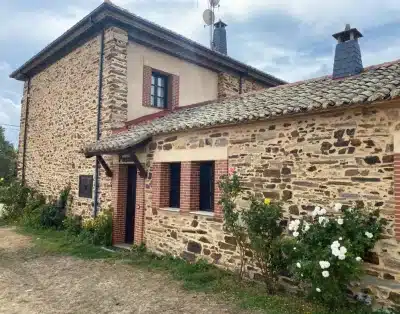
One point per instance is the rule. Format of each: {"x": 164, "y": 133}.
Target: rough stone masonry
{"x": 340, "y": 156}
{"x": 345, "y": 155}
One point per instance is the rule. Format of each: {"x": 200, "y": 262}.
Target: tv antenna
{"x": 209, "y": 18}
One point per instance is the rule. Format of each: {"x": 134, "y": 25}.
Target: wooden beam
{"x": 105, "y": 166}
{"x": 139, "y": 166}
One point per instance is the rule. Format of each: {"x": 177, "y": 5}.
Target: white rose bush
{"x": 329, "y": 246}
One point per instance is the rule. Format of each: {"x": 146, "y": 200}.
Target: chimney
{"x": 220, "y": 37}
{"x": 348, "y": 60}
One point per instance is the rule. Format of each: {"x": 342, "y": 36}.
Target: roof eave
{"x": 71, "y": 34}
{"x": 114, "y": 14}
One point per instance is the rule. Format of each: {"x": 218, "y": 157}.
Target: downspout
{"x": 28, "y": 93}
{"x": 99, "y": 100}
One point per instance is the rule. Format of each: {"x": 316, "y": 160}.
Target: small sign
{"x": 86, "y": 186}
{"x": 125, "y": 159}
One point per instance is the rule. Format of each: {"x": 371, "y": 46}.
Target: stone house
{"x": 89, "y": 112}
{"x": 112, "y": 69}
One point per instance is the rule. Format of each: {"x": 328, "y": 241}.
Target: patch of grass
{"x": 199, "y": 276}
{"x": 58, "y": 242}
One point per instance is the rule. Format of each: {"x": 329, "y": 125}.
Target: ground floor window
{"x": 174, "y": 185}
{"x": 207, "y": 186}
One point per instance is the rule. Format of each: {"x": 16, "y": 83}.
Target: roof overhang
{"x": 141, "y": 31}
{"x": 117, "y": 144}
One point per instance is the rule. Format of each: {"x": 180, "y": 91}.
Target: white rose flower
{"x": 295, "y": 234}
{"x": 340, "y": 221}
{"x": 335, "y": 244}
{"x": 298, "y": 265}
{"x": 369, "y": 234}
{"x": 340, "y": 239}
{"x": 306, "y": 226}
{"x": 343, "y": 250}
{"x": 324, "y": 264}
{"x": 316, "y": 211}
{"x": 294, "y": 225}
{"x": 325, "y": 274}
{"x": 294, "y": 249}
{"x": 337, "y": 207}
{"x": 322, "y": 211}
{"x": 358, "y": 259}
{"x": 323, "y": 220}
{"x": 342, "y": 257}
{"x": 318, "y": 290}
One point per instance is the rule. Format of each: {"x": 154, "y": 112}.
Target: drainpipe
{"x": 28, "y": 92}
{"x": 100, "y": 84}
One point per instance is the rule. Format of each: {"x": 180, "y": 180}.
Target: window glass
{"x": 207, "y": 186}
{"x": 159, "y": 83}
{"x": 174, "y": 185}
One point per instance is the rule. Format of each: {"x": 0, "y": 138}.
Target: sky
{"x": 290, "y": 39}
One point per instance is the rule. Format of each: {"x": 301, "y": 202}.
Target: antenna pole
{"x": 211, "y": 26}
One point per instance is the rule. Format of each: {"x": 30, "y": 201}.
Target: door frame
{"x": 130, "y": 204}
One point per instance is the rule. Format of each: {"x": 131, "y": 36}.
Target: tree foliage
{"x": 7, "y": 158}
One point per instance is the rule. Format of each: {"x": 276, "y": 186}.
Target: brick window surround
{"x": 119, "y": 195}
{"x": 396, "y": 167}
{"x": 190, "y": 185}
{"x": 172, "y": 89}
{"x": 397, "y": 193}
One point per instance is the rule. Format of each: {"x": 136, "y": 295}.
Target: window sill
{"x": 203, "y": 213}
{"x": 170, "y": 209}
{"x": 161, "y": 109}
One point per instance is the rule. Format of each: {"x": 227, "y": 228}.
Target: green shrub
{"x": 33, "y": 202}
{"x": 265, "y": 231}
{"x": 98, "y": 230}
{"x": 32, "y": 219}
{"x": 329, "y": 250}
{"x": 14, "y": 197}
{"x": 233, "y": 223}
{"x": 73, "y": 224}
{"x": 51, "y": 216}
{"x": 141, "y": 248}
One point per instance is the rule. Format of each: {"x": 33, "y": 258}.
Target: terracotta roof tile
{"x": 375, "y": 83}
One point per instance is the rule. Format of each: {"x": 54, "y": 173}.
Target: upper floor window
{"x": 159, "y": 87}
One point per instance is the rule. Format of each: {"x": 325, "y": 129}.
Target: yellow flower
{"x": 267, "y": 201}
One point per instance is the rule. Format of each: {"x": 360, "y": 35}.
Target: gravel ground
{"x": 52, "y": 284}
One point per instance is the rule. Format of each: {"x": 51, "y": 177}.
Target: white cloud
{"x": 316, "y": 21}
{"x": 319, "y": 13}
{"x": 38, "y": 26}
{"x": 9, "y": 116}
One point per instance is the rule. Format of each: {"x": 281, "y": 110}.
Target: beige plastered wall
{"x": 196, "y": 84}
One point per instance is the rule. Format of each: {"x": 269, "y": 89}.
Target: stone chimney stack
{"x": 348, "y": 60}
{"x": 220, "y": 44}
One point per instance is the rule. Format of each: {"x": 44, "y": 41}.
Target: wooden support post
{"x": 105, "y": 166}
{"x": 139, "y": 166}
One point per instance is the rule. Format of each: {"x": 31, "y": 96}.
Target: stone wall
{"x": 62, "y": 117}
{"x": 229, "y": 85}
{"x": 339, "y": 156}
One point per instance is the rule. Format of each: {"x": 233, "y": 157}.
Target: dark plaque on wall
{"x": 126, "y": 158}
{"x": 85, "y": 186}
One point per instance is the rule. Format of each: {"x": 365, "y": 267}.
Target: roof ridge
{"x": 265, "y": 90}
{"x": 192, "y": 41}
{"x": 376, "y": 84}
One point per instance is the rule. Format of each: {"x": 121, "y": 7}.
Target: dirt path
{"x": 53, "y": 284}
